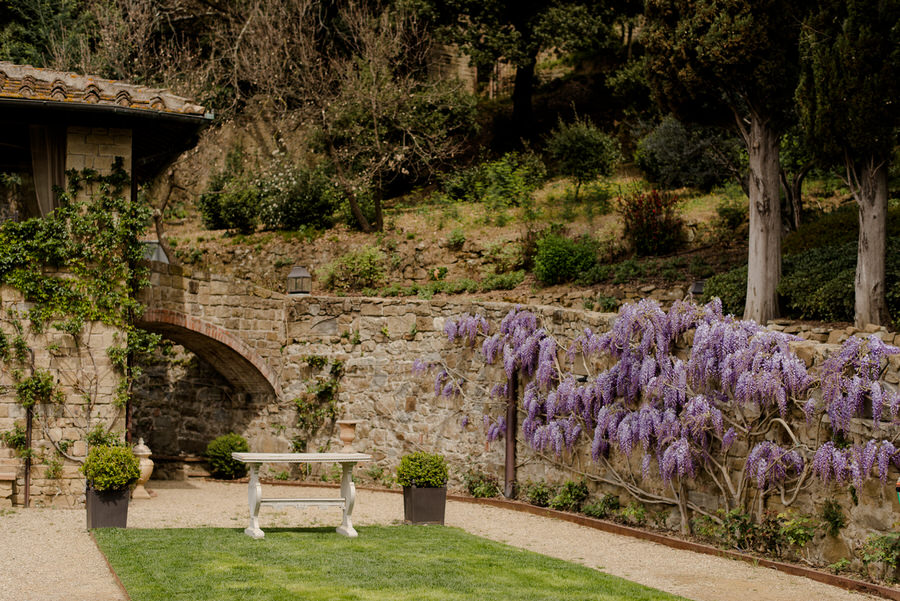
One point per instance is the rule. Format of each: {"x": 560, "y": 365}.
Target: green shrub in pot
{"x": 111, "y": 468}
{"x": 422, "y": 470}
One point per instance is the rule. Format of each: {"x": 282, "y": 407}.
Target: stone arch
{"x": 234, "y": 359}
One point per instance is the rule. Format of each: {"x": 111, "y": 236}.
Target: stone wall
{"x": 378, "y": 339}
{"x": 186, "y": 403}
{"x": 81, "y": 370}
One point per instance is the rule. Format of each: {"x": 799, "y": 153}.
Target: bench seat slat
{"x": 301, "y": 457}
{"x": 304, "y": 502}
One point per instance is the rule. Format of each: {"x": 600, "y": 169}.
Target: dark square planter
{"x": 424, "y": 505}
{"x": 106, "y": 509}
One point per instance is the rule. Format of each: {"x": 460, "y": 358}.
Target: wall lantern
{"x": 299, "y": 281}
{"x": 153, "y": 251}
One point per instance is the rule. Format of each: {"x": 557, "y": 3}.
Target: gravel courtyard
{"x": 47, "y": 555}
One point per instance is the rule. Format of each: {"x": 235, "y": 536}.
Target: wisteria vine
{"x": 678, "y": 390}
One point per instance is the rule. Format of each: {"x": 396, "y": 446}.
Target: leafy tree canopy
{"x": 708, "y": 59}
{"x": 850, "y": 79}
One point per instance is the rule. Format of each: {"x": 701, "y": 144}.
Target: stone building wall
{"x": 97, "y": 148}
{"x": 377, "y": 340}
{"x": 80, "y": 369}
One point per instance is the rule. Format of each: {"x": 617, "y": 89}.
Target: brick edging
{"x": 109, "y": 567}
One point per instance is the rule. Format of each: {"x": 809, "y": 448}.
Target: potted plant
{"x": 424, "y": 480}
{"x": 110, "y": 471}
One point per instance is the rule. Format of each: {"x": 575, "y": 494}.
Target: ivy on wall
{"x": 78, "y": 265}
{"x": 319, "y": 403}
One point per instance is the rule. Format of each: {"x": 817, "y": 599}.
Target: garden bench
{"x": 345, "y": 501}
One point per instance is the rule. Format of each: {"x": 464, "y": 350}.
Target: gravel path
{"x": 47, "y": 555}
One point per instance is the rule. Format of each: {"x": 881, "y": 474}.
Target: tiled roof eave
{"x": 24, "y": 83}
{"x": 74, "y": 106}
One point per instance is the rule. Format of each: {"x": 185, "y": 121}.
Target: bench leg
{"x": 254, "y": 494}
{"x": 348, "y": 492}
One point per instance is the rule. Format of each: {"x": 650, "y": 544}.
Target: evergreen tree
{"x": 849, "y": 86}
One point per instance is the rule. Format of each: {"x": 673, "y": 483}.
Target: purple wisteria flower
{"x": 768, "y": 464}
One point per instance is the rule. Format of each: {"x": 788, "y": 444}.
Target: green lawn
{"x": 413, "y": 563}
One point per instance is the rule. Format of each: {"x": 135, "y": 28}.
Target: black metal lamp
{"x": 299, "y": 281}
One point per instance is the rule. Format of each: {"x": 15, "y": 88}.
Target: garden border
{"x": 850, "y": 584}
{"x": 109, "y": 567}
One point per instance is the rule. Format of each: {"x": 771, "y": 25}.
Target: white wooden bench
{"x": 345, "y": 501}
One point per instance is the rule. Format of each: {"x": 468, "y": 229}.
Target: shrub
{"x": 239, "y": 206}
{"x": 218, "y": 453}
{"x": 582, "y": 151}
{"x": 508, "y": 181}
{"x": 293, "y": 197}
{"x": 422, "y": 470}
{"x": 605, "y": 507}
{"x": 731, "y": 288}
{"x": 560, "y": 259}
{"x": 481, "y": 485}
{"x": 570, "y": 497}
{"x": 634, "y": 513}
{"x": 840, "y": 226}
{"x": 503, "y": 281}
{"x": 598, "y": 273}
{"x": 231, "y": 200}
{"x": 538, "y": 493}
{"x": 883, "y": 549}
{"x": 354, "y": 270}
{"x": 456, "y": 240}
{"x": 111, "y": 468}
{"x": 816, "y": 284}
{"x": 674, "y": 156}
{"x": 732, "y": 213}
{"x": 652, "y": 224}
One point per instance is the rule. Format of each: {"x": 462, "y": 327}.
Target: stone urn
{"x": 142, "y": 452}
{"x": 347, "y": 434}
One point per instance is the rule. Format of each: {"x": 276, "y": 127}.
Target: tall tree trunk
{"x": 764, "y": 257}
{"x": 523, "y": 89}
{"x": 871, "y": 190}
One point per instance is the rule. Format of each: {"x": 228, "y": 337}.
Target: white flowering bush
{"x": 293, "y": 196}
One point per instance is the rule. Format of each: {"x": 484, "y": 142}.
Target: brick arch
{"x": 236, "y": 361}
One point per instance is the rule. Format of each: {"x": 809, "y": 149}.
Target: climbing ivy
{"x": 79, "y": 264}
{"x": 319, "y": 403}
{"x": 94, "y": 241}
{"x": 37, "y": 388}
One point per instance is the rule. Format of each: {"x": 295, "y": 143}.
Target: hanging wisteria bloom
{"x": 850, "y": 382}
{"x": 682, "y": 411}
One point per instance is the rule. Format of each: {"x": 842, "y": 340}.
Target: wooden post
{"x": 512, "y": 402}
{"x": 29, "y": 417}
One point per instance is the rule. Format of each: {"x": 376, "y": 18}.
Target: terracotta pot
{"x": 424, "y": 505}
{"x": 107, "y": 508}
{"x": 347, "y": 434}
